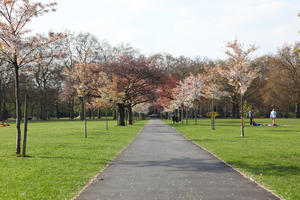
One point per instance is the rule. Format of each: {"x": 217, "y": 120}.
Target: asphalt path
{"x": 161, "y": 164}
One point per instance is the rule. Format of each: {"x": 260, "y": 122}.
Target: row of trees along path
{"x": 99, "y": 75}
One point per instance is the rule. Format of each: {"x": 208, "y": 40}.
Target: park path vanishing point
{"x": 161, "y": 164}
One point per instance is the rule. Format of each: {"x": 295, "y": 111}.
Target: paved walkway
{"x": 161, "y": 164}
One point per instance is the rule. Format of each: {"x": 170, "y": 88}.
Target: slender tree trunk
{"x": 106, "y": 119}
{"x": 82, "y": 109}
{"x": 45, "y": 104}
{"x": 72, "y": 108}
{"x": 18, "y": 111}
{"x": 41, "y": 108}
{"x": 99, "y": 113}
{"x": 242, "y": 117}
{"x": 126, "y": 116}
{"x": 121, "y": 112}
{"x": 187, "y": 116}
{"x": 181, "y": 116}
{"x": 115, "y": 114}
{"x": 25, "y": 125}
{"x": 195, "y": 115}
{"x": 1, "y": 99}
{"x": 84, "y": 116}
{"x": 90, "y": 114}
{"x": 212, "y": 115}
{"x": 297, "y": 108}
{"x": 94, "y": 113}
{"x": 57, "y": 110}
{"x": 130, "y": 121}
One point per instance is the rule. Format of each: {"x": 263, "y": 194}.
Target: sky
{"x": 180, "y": 27}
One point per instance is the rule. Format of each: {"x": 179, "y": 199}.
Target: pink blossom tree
{"x": 239, "y": 71}
{"x": 17, "y": 47}
{"x": 213, "y": 88}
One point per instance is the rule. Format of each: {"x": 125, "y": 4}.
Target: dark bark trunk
{"x": 94, "y": 114}
{"x": 126, "y": 116}
{"x": 99, "y": 113}
{"x": 43, "y": 101}
{"x": 25, "y": 125}
{"x": 297, "y": 109}
{"x": 182, "y": 117}
{"x": 212, "y": 115}
{"x": 82, "y": 109}
{"x": 90, "y": 114}
{"x": 1, "y": 99}
{"x": 45, "y": 105}
{"x": 242, "y": 117}
{"x": 130, "y": 120}
{"x": 72, "y": 108}
{"x": 121, "y": 117}
{"x": 84, "y": 117}
{"x": 57, "y": 110}
{"x": 18, "y": 110}
{"x": 115, "y": 114}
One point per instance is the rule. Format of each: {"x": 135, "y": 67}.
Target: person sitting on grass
{"x": 256, "y": 124}
{"x": 4, "y": 124}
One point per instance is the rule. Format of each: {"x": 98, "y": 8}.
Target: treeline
{"x": 52, "y": 89}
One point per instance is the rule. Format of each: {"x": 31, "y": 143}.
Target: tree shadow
{"x": 180, "y": 164}
{"x": 273, "y": 169}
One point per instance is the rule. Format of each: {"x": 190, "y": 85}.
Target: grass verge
{"x": 60, "y": 160}
{"x": 269, "y": 155}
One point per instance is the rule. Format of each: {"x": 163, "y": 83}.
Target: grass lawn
{"x": 61, "y": 161}
{"x": 273, "y": 152}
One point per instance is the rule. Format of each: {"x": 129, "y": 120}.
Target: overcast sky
{"x": 180, "y": 27}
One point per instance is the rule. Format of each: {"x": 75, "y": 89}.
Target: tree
{"x": 239, "y": 71}
{"x": 17, "y": 47}
{"x": 283, "y": 86}
{"x": 135, "y": 82}
{"x": 212, "y": 88}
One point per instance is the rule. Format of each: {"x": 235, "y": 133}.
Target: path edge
{"x": 107, "y": 165}
{"x": 235, "y": 169}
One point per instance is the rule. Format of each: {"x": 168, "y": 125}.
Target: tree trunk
{"x": 106, "y": 119}
{"x": 242, "y": 117}
{"x": 121, "y": 117}
{"x": 84, "y": 117}
{"x": 126, "y": 116}
{"x": 195, "y": 115}
{"x": 57, "y": 110}
{"x": 72, "y": 108}
{"x": 182, "y": 117}
{"x": 212, "y": 115}
{"x": 90, "y": 114}
{"x": 297, "y": 109}
{"x": 1, "y": 99}
{"x": 18, "y": 111}
{"x": 99, "y": 113}
{"x": 25, "y": 125}
{"x": 82, "y": 109}
{"x": 130, "y": 120}
{"x": 115, "y": 114}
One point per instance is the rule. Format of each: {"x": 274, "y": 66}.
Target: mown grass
{"x": 270, "y": 155}
{"x": 61, "y": 161}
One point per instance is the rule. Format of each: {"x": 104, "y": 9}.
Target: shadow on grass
{"x": 102, "y": 161}
{"x": 268, "y": 168}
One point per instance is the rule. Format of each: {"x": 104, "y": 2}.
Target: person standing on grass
{"x": 273, "y": 116}
{"x": 251, "y": 117}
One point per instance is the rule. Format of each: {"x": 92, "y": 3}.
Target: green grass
{"x": 61, "y": 161}
{"x": 272, "y": 151}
